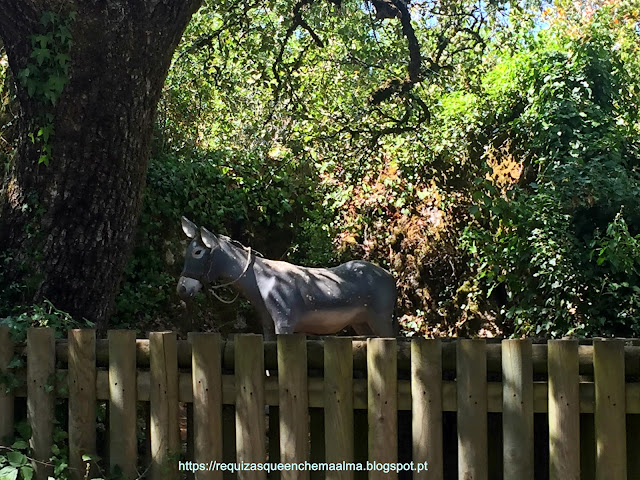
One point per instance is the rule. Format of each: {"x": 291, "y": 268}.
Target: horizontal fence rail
{"x": 477, "y": 409}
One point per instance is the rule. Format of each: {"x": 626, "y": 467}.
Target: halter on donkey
{"x": 290, "y": 298}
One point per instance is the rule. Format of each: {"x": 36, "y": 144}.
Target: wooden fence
{"x": 471, "y": 409}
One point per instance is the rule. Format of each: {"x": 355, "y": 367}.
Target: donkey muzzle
{"x": 188, "y": 287}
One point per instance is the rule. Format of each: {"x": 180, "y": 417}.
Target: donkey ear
{"x": 208, "y": 238}
{"x": 189, "y": 228}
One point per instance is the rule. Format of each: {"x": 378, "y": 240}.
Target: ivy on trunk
{"x": 67, "y": 227}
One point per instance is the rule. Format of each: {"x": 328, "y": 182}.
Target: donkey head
{"x": 198, "y": 260}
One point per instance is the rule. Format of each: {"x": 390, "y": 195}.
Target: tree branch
{"x": 399, "y": 9}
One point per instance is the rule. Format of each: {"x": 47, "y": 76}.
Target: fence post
{"x": 41, "y": 359}
{"x": 338, "y": 404}
{"x": 517, "y": 409}
{"x": 610, "y": 414}
{"x": 163, "y": 400}
{"x": 564, "y": 410}
{"x": 471, "y": 383}
{"x": 250, "y": 422}
{"x": 123, "y": 449}
{"x": 382, "y": 400}
{"x": 206, "y": 372}
{"x": 294, "y": 403}
{"x": 82, "y": 401}
{"x": 426, "y": 407}
{"x": 6, "y": 399}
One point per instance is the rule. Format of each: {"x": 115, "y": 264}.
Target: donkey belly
{"x": 323, "y": 322}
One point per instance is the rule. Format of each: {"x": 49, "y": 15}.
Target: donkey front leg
{"x": 268, "y": 328}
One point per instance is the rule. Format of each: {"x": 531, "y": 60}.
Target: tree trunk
{"x": 68, "y": 226}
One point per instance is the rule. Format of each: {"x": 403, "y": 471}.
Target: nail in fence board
{"x": 517, "y": 410}
{"x": 608, "y": 369}
{"x": 426, "y": 406}
{"x": 294, "y": 403}
{"x": 564, "y": 410}
{"x": 41, "y": 396}
{"x": 338, "y": 401}
{"x": 82, "y": 401}
{"x": 207, "y": 402}
{"x": 6, "y": 399}
{"x": 163, "y": 399}
{"x": 382, "y": 395}
{"x": 123, "y": 451}
{"x": 471, "y": 380}
{"x": 250, "y": 421}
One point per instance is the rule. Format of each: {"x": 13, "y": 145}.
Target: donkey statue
{"x": 289, "y": 298}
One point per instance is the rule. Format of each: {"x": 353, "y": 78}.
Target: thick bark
{"x": 70, "y": 224}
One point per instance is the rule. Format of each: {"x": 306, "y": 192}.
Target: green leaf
{"x": 9, "y": 473}
{"x": 64, "y": 34}
{"x": 43, "y": 40}
{"x": 19, "y": 445}
{"x": 47, "y": 18}
{"x": 40, "y": 55}
{"x": 16, "y": 459}
{"x": 62, "y": 59}
{"x": 56, "y": 83}
{"x": 16, "y": 362}
{"x": 26, "y": 472}
{"x": 23, "y": 75}
{"x": 24, "y": 430}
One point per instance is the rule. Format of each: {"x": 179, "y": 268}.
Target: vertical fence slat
{"x": 41, "y": 358}
{"x": 123, "y": 452}
{"x": 294, "y": 403}
{"x": 382, "y": 399}
{"x": 6, "y": 399}
{"x": 82, "y": 400}
{"x": 163, "y": 402}
{"x": 426, "y": 407}
{"x": 564, "y": 410}
{"x": 338, "y": 403}
{"x": 471, "y": 380}
{"x": 610, "y": 414}
{"x": 517, "y": 409}
{"x": 250, "y": 421}
{"x": 206, "y": 373}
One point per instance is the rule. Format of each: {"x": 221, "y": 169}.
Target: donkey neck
{"x": 232, "y": 267}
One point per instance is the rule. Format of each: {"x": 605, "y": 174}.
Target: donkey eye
{"x": 198, "y": 252}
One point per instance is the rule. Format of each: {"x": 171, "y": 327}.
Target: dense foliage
{"x": 501, "y": 188}
{"x": 563, "y": 239}
{"x": 514, "y": 209}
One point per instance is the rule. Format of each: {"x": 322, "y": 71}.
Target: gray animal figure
{"x": 290, "y": 298}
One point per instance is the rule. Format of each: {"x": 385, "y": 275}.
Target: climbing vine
{"x": 46, "y": 75}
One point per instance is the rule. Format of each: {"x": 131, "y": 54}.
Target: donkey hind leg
{"x": 363, "y": 329}
{"x": 382, "y": 323}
